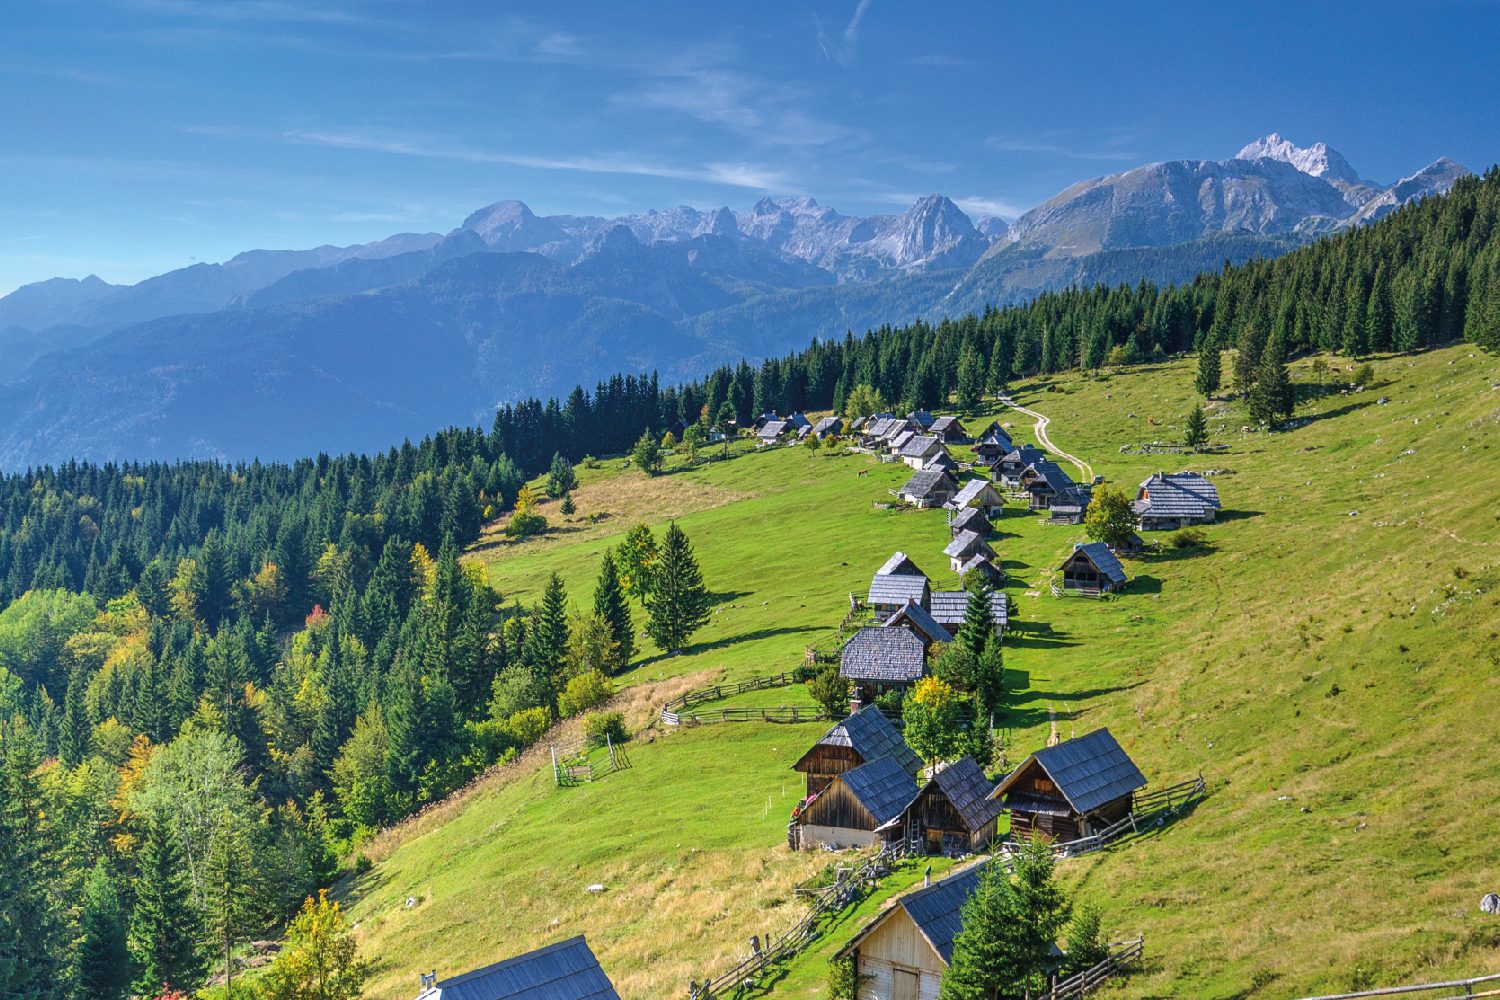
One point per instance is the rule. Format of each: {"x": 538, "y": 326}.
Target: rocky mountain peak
{"x": 1317, "y": 160}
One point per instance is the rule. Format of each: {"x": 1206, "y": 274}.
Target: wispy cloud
{"x": 846, "y": 47}
{"x": 976, "y": 207}
{"x": 936, "y": 61}
{"x": 55, "y": 71}
{"x": 726, "y": 173}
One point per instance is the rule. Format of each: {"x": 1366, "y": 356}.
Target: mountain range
{"x": 275, "y": 354}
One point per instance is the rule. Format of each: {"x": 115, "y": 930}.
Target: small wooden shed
{"x": 850, "y": 810}
{"x": 952, "y": 814}
{"x": 917, "y": 618}
{"x": 1071, "y": 790}
{"x": 978, "y": 494}
{"x": 1091, "y": 568}
{"x": 864, "y": 736}
{"x": 877, "y": 659}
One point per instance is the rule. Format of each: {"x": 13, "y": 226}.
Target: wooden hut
{"x": 950, "y": 430}
{"x": 828, "y": 427}
{"x": 978, "y": 494}
{"x": 896, "y": 583}
{"x": 853, "y": 806}
{"x": 1043, "y": 481}
{"x": 1167, "y": 502}
{"x": 864, "y": 736}
{"x": 903, "y": 953}
{"x": 970, "y": 519}
{"x": 878, "y": 659}
{"x": 928, "y": 488}
{"x": 1091, "y": 568}
{"x": 964, "y": 547}
{"x": 566, "y": 970}
{"x": 1010, "y": 466}
{"x": 919, "y": 450}
{"x": 1068, "y": 506}
{"x": 1071, "y": 790}
{"x": 952, "y": 814}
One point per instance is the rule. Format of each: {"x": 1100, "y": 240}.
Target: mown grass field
{"x": 1331, "y": 663}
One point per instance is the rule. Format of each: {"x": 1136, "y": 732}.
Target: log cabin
{"x": 929, "y": 488}
{"x": 970, "y": 519}
{"x": 1071, "y": 790}
{"x": 950, "y": 430}
{"x": 964, "y": 547}
{"x": 853, "y": 806}
{"x": 896, "y": 583}
{"x": 864, "y": 736}
{"x": 566, "y": 970}
{"x": 828, "y": 427}
{"x": 952, "y": 814}
{"x": 1168, "y": 502}
{"x": 919, "y": 450}
{"x": 978, "y": 494}
{"x": 1091, "y": 568}
{"x": 1009, "y": 467}
{"x": 1043, "y": 481}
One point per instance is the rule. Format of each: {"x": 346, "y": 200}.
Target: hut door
{"x": 903, "y": 985}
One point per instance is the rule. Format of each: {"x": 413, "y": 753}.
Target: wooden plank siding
{"x": 897, "y": 945}
{"x": 824, "y": 763}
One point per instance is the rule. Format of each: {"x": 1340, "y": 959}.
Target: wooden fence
{"x": 575, "y": 762}
{"x": 766, "y": 953}
{"x": 781, "y": 713}
{"x": 718, "y": 692}
{"x": 1457, "y": 989}
{"x": 1080, "y": 985}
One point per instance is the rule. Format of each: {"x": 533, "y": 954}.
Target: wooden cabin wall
{"x": 837, "y": 807}
{"x": 898, "y": 944}
{"x": 823, "y": 763}
{"x": 1060, "y": 829}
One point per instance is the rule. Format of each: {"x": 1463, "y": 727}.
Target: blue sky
{"x": 141, "y": 135}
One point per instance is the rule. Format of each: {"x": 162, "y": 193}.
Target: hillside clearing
{"x": 1329, "y": 662}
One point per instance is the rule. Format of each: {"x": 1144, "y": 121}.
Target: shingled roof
{"x": 567, "y": 970}
{"x": 912, "y": 615}
{"x": 967, "y": 543}
{"x": 892, "y": 655}
{"x": 949, "y": 607}
{"x": 882, "y": 786}
{"x": 973, "y": 490}
{"x": 1056, "y": 479}
{"x": 1088, "y": 771}
{"x": 920, "y": 444}
{"x": 943, "y": 426}
{"x": 899, "y": 564}
{"x": 870, "y": 734}
{"x": 772, "y": 429}
{"x": 895, "y": 589}
{"x": 1181, "y": 494}
{"x": 920, "y": 418}
{"x": 828, "y": 425}
{"x": 967, "y": 789}
{"x": 925, "y": 481}
{"x": 1104, "y": 560}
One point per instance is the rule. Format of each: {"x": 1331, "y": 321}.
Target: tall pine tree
{"x": 678, "y": 603}
{"x": 611, "y": 605}
{"x": 165, "y": 925}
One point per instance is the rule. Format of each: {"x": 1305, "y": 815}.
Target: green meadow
{"x": 1330, "y": 662}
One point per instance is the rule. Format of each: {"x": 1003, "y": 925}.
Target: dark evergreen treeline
{"x": 289, "y": 654}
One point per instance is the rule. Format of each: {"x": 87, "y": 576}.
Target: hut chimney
{"x": 927, "y": 877}
{"x": 855, "y": 704}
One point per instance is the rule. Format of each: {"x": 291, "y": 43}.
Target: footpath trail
{"x": 1046, "y": 442}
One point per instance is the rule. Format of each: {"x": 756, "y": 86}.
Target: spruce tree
{"x": 1210, "y": 370}
{"x": 678, "y": 603}
{"x": 32, "y": 926}
{"x": 103, "y": 956}
{"x": 1042, "y": 911}
{"x": 165, "y": 926}
{"x": 978, "y": 626}
{"x": 985, "y": 965}
{"x": 75, "y": 732}
{"x": 561, "y": 479}
{"x": 1270, "y": 400}
{"x": 611, "y": 605}
{"x": 1195, "y": 433}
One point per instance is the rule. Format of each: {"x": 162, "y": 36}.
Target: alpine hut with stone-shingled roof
{"x": 928, "y": 488}
{"x": 1071, "y": 790}
{"x": 1168, "y": 502}
{"x": 1091, "y": 568}
{"x": 853, "y": 806}
{"x": 864, "y": 736}
{"x": 950, "y": 606}
{"x": 916, "y": 618}
{"x": 878, "y": 659}
{"x": 952, "y": 814}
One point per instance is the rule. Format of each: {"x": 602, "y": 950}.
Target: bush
{"x": 1188, "y": 538}
{"x": 488, "y": 740}
{"x": 526, "y": 727}
{"x": 584, "y": 692}
{"x": 843, "y": 981}
{"x": 525, "y": 525}
{"x": 1364, "y": 375}
{"x": 602, "y": 725}
{"x": 891, "y": 702}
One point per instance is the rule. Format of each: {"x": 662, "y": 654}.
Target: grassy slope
{"x": 1347, "y": 837}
